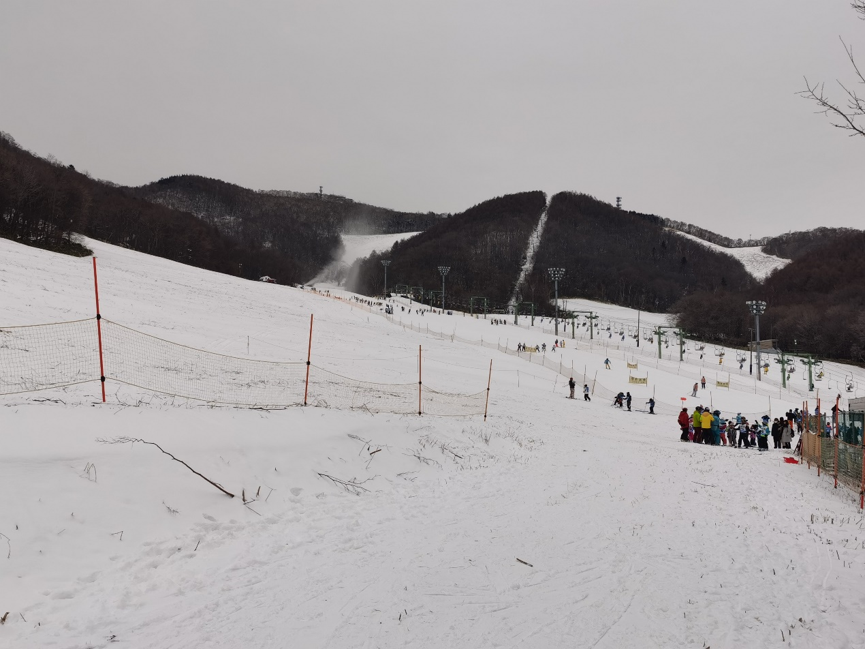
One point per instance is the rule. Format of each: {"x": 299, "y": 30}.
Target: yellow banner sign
{"x": 632, "y": 366}
{"x": 638, "y": 381}
{"x": 722, "y": 384}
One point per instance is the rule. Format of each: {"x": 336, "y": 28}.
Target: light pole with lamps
{"x": 556, "y": 274}
{"x": 757, "y": 308}
{"x": 385, "y": 263}
{"x": 444, "y": 270}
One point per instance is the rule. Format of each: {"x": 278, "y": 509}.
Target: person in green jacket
{"x": 698, "y": 429}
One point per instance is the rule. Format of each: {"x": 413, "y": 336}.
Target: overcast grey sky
{"x": 685, "y": 108}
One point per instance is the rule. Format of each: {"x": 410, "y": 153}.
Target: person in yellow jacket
{"x": 698, "y": 430}
{"x": 706, "y": 420}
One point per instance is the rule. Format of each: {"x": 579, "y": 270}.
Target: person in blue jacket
{"x": 716, "y": 428}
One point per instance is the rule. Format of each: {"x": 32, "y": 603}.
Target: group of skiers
{"x": 586, "y": 393}
{"x": 557, "y": 344}
{"x": 624, "y": 399}
{"x": 709, "y": 427}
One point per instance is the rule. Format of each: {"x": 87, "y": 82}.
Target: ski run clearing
{"x": 556, "y": 523}
{"x": 755, "y": 261}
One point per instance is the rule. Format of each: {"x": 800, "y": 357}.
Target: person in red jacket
{"x": 684, "y": 423}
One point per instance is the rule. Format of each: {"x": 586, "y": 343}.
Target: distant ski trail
{"x": 531, "y": 251}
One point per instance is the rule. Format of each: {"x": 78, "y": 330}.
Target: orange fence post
{"x": 819, "y": 440}
{"x": 489, "y": 380}
{"x": 308, "y": 357}
{"x": 419, "y": 378}
{"x": 99, "y": 332}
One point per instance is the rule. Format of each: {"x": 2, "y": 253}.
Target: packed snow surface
{"x": 363, "y": 245}
{"x": 755, "y": 261}
{"x": 555, "y": 523}
{"x": 357, "y": 246}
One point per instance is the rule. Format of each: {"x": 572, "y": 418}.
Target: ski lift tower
{"x": 531, "y": 308}
{"x": 785, "y": 362}
{"x": 556, "y": 274}
{"x": 591, "y": 317}
{"x": 757, "y": 308}
{"x": 681, "y": 334}
{"x": 479, "y": 299}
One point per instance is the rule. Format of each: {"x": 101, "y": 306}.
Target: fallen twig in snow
{"x": 116, "y": 533}
{"x": 525, "y": 563}
{"x": 424, "y": 460}
{"x": 3, "y": 619}
{"x": 170, "y": 510}
{"x": 132, "y": 440}
{"x": 351, "y": 486}
{"x": 9, "y": 543}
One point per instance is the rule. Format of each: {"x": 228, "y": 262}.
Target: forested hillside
{"x": 244, "y": 212}
{"x": 625, "y": 258}
{"x": 42, "y": 202}
{"x": 483, "y": 246}
{"x": 816, "y": 304}
{"x": 794, "y": 245}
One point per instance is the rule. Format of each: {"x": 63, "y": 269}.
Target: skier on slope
{"x": 651, "y": 403}
{"x": 706, "y": 420}
{"x": 716, "y": 428}
{"x": 732, "y": 429}
{"x": 694, "y": 392}
{"x": 572, "y": 384}
{"x": 586, "y": 396}
{"x": 628, "y": 400}
{"x": 698, "y": 425}
{"x": 684, "y": 423}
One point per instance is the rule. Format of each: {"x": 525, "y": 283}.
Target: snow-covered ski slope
{"x": 529, "y": 256}
{"x": 755, "y": 261}
{"x": 357, "y": 246}
{"x": 555, "y": 523}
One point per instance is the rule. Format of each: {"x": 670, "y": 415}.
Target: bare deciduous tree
{"x": 849, "y": 115}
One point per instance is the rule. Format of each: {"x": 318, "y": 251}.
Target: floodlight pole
{"x": 444, "y": 270}
{"x": 556, "y": 274}
{"x": 385, "y": 263}
{"x": 757, "y": 308}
